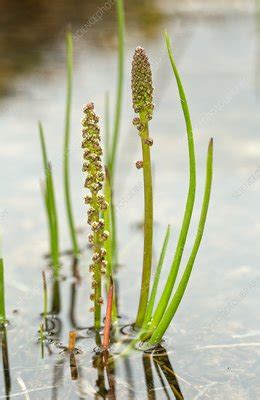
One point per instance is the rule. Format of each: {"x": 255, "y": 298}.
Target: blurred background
{"x": 216, "y": 334}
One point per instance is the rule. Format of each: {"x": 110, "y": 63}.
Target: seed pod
{"x": 136, "y": 121}
{"x": 139, "y": 164}
{"x": 103, "y": 252}
{"x": 103, "y": 206}
{"x": 104, "y": 236}
{"x": 104, "y": 264}
{"x": 88, "y": 199}
{"x": 91, "y": 268}
{"x": 96, "y": 258}
{"x": 95, "y": 226}
{"x": 90, "y": 238}
{"x": 148, "y": 141}
{"x": 101, "y": 300}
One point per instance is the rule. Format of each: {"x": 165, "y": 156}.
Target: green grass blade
{"x": 107, "y": 127}
{"x": 54, "y": 222}
{"x": 190, "y": 198}
{"x": 151, "y": 302}
{"x": 66, "y": 149}
{"x": 50, "y": 204}
{"x": 120, "y": 82}
{"x": 46, "y": 203}
{"x": 108, "y": 245}
{"x": 2, "y": 293}
{"x": 174, "y": 304}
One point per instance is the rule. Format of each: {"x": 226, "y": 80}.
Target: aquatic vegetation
{"x": 97, "y": 204}
{"x": 153, "y": 316}
{"x": 2, "y": 293}
{"x": 48, "y": 192}
{"x": 111, "y": 144}
{"x": 155, "y": 325}
{"x": 142, "y": 93}
{"x": 152, "y": 323}
{"x": 66, "y": 148}
{"x": 119, "y": 96}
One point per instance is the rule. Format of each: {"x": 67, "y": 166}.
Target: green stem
{"x": 108, "y": 246}
{"x": 97, "y": 271}
{"x": 107, "y": 127}
{"x": 2, "y": 293}
{"x": 66, "y": 149}
{"x": 148, "y": 224}
{"x": 174, "y": 304}
{"x": 152, "y": 297}
{"x": 189, "y": 203}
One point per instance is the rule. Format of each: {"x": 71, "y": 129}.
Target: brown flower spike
{"x": 94, "y": 182}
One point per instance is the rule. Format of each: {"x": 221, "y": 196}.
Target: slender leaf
{"x": 175, "y": 302}
{"x": 190, "y": 198}
{"x": 66, "y": 149}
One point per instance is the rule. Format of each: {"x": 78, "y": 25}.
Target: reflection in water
{"x": 73, "y": 367}
{"x": 105, "y": 366}
{"x": 56, "y": 302}
{"x": 58, "y": 373}
{"x": 160, "y": 357}
{"x": 5, "y": 359}
{"x": 148, "y": 376}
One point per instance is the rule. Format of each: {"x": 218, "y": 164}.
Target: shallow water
{"x": 214, "y": 343}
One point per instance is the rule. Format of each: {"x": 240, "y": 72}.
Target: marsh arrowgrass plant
{"x": 66, "y": 148}
{"x": 97, "y": 204}
{"x": 142, "y": 93}
{"x": 161, "y": 307}
{"x": 156, "y": 323}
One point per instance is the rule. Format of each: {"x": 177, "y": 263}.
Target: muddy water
{"x": 213, "y": 345}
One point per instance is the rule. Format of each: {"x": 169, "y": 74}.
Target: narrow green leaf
{"x": 175, "y": 302}
{"x": 50, "y": 204}
{"x": 2, "y": 293}
{"x": 189, "y": 202}
{"x": 107, "y": 127}
{"x": 66, "y": 149}
{"x": 120, "y": 82}
{"x": 151, "y": 302}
